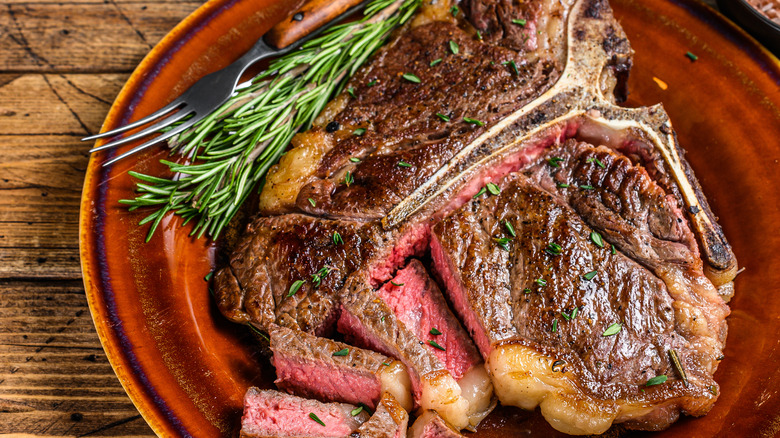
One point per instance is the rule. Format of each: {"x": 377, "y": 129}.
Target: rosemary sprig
{"x": 228, "y": 153}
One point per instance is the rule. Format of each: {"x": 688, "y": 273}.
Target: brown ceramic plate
{"x": 186, "y": 368}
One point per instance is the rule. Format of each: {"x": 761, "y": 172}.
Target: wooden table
{"x": 61, "y": 65}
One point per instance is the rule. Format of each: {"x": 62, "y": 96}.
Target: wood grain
{"x": 61, "y": 65}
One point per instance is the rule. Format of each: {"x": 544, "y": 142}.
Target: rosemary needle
{"x": 227, "y": 154}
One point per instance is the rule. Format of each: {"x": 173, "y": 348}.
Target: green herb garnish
{"x": 351, "y": 91}
{"x": 317, "y": 277}
{"x": 555, "y": 325}
{"x": 563, "y": 185}
{"x": 348, "y": 178}
{"x": 614, "y": 251}
{"x": 613, "y": 329}
{"x": 342, "y": 352}
{"x": 372, "y": 83}
{"x": 521, "y": 22}
{"x": 312, "y": 202}
{"x": 587, "y": 187}
{"x": 678, "y": 366}
{"x": 474, "y": 121}
{"x": 553, "y": 249}
{"x": 596, "y": 238}
{"x": 208, "y": 276}
{"x": 480, "y": 193}
{"x": 691, "y": 56}
{"x": 434, "y": 62}
{"x": 434, "y": 331}
{"x": 503, "y": 242}
{"x": 657, "y": 380}
{"x": 295, "y": 286}
{"x": 509, "y": 228}
{"x": 454, "y": 48}
{"x": 404, "y": 164}
{"x": 526, "y": 291}
{"x": 589, "y": 276}
{"x": 541, "y": 282}
{"x": 435, "y": 345}
{"x": 454, "y": 10}
{"x": 354, "y": 159}
{"x": 356, "y": 411}
{"x": 554, "y": 161}
{"x": 411, "y": 78}
{"x": 443, "y": 117}
{"x": 359, "y": 131}
{"x": 597, "y": 161}
{"x": 314, "y": 417}
{"x": 337, "y": 238}
{"x": 493, "y": 188}
{"x": 396, "y": 284}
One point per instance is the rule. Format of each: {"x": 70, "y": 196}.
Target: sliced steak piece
{"x": 418, "y": 303}
{"x": 269, "y": 413}
{"x": 367, "y": 321}
{"x": 431, "y": 425}
{"x": 388, "y": 421}
{"x": 565, "y": 322}
{"x": 320, "y": 368}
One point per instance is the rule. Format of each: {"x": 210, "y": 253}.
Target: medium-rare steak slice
{"x": 327, "y": 370}
{"x": 567, "y": 322}
{"x": 269, "y": 413}
{"x": 388, "y": 421}
{"x": 419, "y": 304}
{"x": 431, "y": 425}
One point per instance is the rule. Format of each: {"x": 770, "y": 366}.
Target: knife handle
{"x": 308, "y": 18}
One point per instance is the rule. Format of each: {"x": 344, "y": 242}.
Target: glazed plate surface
{"x": 186, "y": 367}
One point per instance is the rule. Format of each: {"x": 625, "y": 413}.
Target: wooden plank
{"x": 83, "y": 37}
{"x": 54, "y": 377}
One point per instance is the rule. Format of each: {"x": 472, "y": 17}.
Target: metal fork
{"x": 214, "y": 89}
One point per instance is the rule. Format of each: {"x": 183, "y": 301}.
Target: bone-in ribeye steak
{"x": 568, "y": 234}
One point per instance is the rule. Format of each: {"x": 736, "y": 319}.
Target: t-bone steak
{"x": 568, "y": 234}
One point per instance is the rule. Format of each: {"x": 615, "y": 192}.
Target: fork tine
{"x": 153, "y": 141}
{"x": 159, "y": 113}
{"x": 148, "y": 131}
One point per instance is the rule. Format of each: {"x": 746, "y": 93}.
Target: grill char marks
{"x": 518, "y": 302}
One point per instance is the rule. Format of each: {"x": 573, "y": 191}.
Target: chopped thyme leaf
{"x": 479, "y": 35}
{"x": 574, "y": 312}
{"x": 493, "y": 188}
{"x": 342, "y": 352}
{"x": 596, "y": 238}
{"x": 385, "y": 364}
{"x": 354, "y": 159}
{"x": 566, "y": 316}
{"x": 526, "y": 291}
{"x": 513, "y": 64}
{"x": 351, "y": 91}
{"x": 337, "y": 238}
{"x": 520, "y": 22}
{"x": 396, "y": 284}
{"x": 474, "y": 121}
{"x": 294, "y": 288}
{"x": 541, "y": 282}
{"x": 382, "y": 319}
{"x": 589, "y": 276}
{"x": 312, "y": 202}
{"x": 403, "y": 163}
{"x": 657, "y": 380}
{"x": 587, "y": 187}
{"x": 434, "y": 331}
{"x": 509, "y": 228}
{"x": 359, "y": 131}
{"x": 613, "y": 329}
{"x": 597, "y": 161}
{"x": 208, "y": 276}
{"x": 454, "y": 10}
{"x": 317, "y": 277}
{"x": 480, "y": 193}
{"x": 691, "y": 56}
{"x": 411, "y": 78}
{"x": 553, "y": 249}
{"x": 614, "y": 251}
{"x": 563, "y": 185}
{"x": 314, "y": 417}
{"x": 348, "y": 178}
{"x": 372, "y": 83}
{"x": 454, "y": 48}
{"x": 434, "y": 62}
{"x": 443, "y": 117}
{"x": 356, "y": 411}
{"x": 555, "y": 325}
{"x": 503, "y": 242}
{"x": 435, "y": 345}
{"x": 554, "y": 161}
